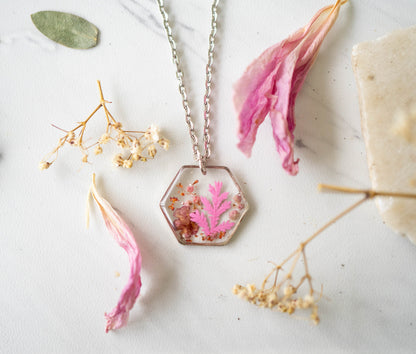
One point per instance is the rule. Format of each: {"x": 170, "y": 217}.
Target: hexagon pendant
{"x": 204, "y": 209}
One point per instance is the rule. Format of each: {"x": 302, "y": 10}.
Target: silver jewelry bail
{"x": 202, "y": 165}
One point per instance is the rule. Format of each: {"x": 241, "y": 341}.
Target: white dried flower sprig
{"x": 284, "y": 294}
{"x": 136, "y": 145}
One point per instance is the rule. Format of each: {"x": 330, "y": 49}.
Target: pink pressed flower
{"x": 272, "y": 81}
{"x": 219, "y": 206}
{"x": 183, "y": 222}
{"x": 121, "y": 232}
{"x": 237, "y": 198}
{"x": 233, "y": 214}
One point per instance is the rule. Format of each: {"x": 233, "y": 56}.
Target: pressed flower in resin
{"x": 183, "y": 222}
{"x": 203, "y": 210}
{"x": 219, "y": 206}
{"x": 197, "y": 216}
{"x": 271, "y": 83}
{"x": 118, "y": 317}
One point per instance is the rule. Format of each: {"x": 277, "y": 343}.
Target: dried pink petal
{"x": 118, "y": 317}
{"x": 271, "y": 83}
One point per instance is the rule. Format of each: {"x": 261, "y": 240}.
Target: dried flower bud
{"x": 70, "y": 135}
{"x": 84, "y": 158}
{"x": 151, "y": 150}
{"x": 118, "y": 160}
{"x": 281, "y": 307}
{"x": 122, "y": 143}
{"x": 272, "y": 299}
{"x": 98, "y": 150}
{"x": 251, "y": 288}
{"x": 136, "y": 147}
{"x": 152, "y": 134}
{"x": 299, "y": 303}
{"x": 128, "y": 163}
{"x": 314, "y": 316}
{"x": 237, "y": 289}
{"x": 308, "y": 300}
{"x": 243, "y": 294}
{"x": 117, "y": 125}
{"x": 289, "y": 290}
{"x": 136, "y": 157}
{"x": 105, "y": 138}
{"x": 164, "y": 143}
{"x": 44, "y": 165}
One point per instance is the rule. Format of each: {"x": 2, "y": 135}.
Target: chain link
{"x": 198, "y": 156}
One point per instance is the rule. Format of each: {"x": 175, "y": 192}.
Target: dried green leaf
{"x": 66, "y": 29}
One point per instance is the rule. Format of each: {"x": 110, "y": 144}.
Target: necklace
{"x": 204, "y": 204}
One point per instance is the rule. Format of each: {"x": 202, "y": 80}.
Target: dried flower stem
{"x": 283, "y": 294}
{"x": 371, "y": 193}
{"x": 140, "y": 147}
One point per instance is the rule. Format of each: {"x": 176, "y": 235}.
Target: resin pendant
{"x": 204, "y": 209}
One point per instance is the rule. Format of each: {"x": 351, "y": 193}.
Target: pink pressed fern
{"x": 219, "y": 206}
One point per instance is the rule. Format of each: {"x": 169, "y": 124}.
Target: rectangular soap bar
{"x": 385, "y": 71}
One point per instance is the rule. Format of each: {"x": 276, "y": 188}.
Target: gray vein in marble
{"x": 146, "y": 17}
{"x": 34, "y": 39}
{"x": 385, "y": 14}
{"x": 355, "y": 132}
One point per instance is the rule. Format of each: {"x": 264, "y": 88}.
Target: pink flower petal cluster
{"x": 183, "y": 222}
{"x": 271, "y": 83}
{"x": 118, "y": 317}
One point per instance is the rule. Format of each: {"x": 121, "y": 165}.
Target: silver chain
{"x": 201, "y": 158}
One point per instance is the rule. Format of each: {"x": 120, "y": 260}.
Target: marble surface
{"x": 57, "y": 278}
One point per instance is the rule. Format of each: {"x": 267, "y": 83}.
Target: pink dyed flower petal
{"x": 118, "y": 317}
{"x": 271, "y": 83}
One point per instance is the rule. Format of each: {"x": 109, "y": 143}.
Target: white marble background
{"x": 57, "y": 278}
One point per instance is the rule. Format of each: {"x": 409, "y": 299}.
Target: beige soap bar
{"x": 385, "y": 71}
